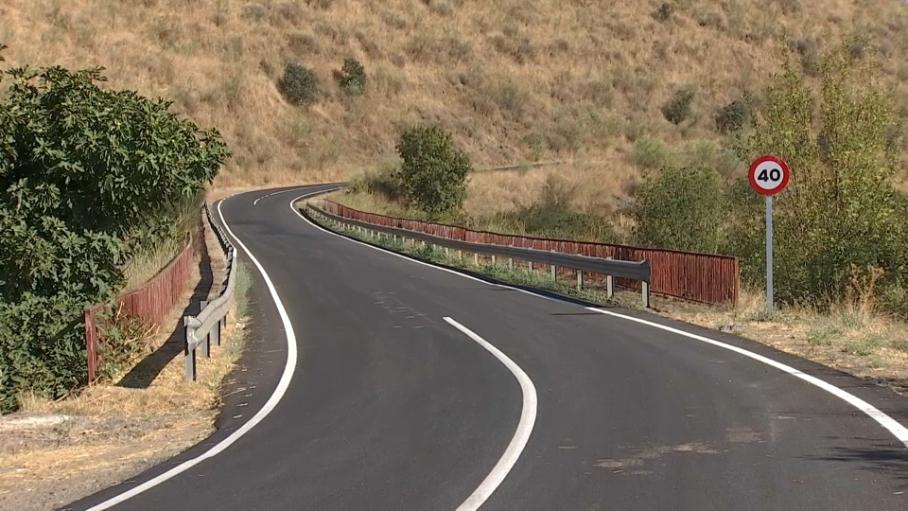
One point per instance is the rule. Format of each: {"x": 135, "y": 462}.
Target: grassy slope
{"x": 516, "y": 81}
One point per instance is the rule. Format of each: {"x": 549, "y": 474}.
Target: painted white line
{"x": 521, "y": 434}
{"x": 272, "y": 194}
{"x": 279, "y": 391}
{"x": 899, "y": 431}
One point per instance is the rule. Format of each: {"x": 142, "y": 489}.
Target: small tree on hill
{"x": 434, "y": 170}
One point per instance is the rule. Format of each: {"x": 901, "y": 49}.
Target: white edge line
{"x": 267, "y": 408}
{"x": 899, "y": 431}
{"x": 521, "y": 434}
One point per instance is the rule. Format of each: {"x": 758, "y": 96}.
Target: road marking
{"x": 272, "y": 194}
{"x": 521, "y": 434}
{"x": 899, "y": 431}
{"x": 276, "y": 396}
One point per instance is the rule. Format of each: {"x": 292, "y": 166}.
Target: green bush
{"x": 732, "y": 117}
{"x": 86, "y": 173}
{"x": 434, "y": 171}
{"x": 299, "y": 85}
{"x": 351, "y": 78}
{"x": 677, "y": 109}
{"x": 680, "y": 208}
{"x": 651, "y": 154}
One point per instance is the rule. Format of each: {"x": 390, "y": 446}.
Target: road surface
{"x": 392, "y": 407}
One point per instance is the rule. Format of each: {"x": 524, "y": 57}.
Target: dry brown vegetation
{"x": 514, "y": 80}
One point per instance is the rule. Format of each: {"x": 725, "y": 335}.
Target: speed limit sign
{"x": 769, "y": 175}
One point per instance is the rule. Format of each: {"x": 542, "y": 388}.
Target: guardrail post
{"x": 217, "y": 334}
{"x": 554, "y": 272}
{"x": 609, "y": 286}
{"x": 645, "y": 288}
{"x": 510, "y": 263}
{"x": 531, "y": 265}
{"x": 207, "y": 350}
{"x": 579, "y": 280}
{"x": 188, "y": 354}
{"x": 475, "y": 259}
{"x": 493, "y": 259}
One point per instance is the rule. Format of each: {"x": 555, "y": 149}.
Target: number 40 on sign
{"x": 768, "y": 176}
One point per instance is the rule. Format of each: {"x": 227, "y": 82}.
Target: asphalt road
{"x": 391, "y": 407}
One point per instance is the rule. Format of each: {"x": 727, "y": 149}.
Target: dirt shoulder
{"x": 52, "y": 453}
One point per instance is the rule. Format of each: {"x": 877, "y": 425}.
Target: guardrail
{"x": 705, "y": 278}
{"x": 633, "y": 270}
{"x": 206, "y": 328}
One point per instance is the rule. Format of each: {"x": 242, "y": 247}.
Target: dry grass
{"x": 851, "y": 335}
{"x": 52, "y": 453}
{"x": 515, "y": 81}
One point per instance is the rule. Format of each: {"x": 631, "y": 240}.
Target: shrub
{"x": 664, "y": 12}
{"x": 810, "y": 56}
{"x": 85, "y": 173}
{"x": 552, "y": 215}
{"x": 299, "y": 85}
{"x": 732, "y": 116}
{"x": 678, "y": 108}
{"x": 434, "y": 171}
{"x": 351, "y": 78}
{"x": 651, "y": 154}
{"x": 680, "y": 208}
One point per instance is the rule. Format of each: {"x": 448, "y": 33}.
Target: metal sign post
{"x": 769, "y": 291}
{"x": 768, "y": 176}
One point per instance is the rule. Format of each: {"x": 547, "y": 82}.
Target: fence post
{"x": 645, "y": 288}
{"x": 579, "y": 280}
{"x": 188, "y": 354}
{"x": 91, "y": 345}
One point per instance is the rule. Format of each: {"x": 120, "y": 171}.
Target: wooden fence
{"x": 705, "y": 278}
{"x": 150, "y": 303}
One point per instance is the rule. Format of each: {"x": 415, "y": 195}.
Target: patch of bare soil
{"x": 52, "y": 453}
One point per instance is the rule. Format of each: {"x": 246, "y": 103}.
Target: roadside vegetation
{"x": 93, "y": 179}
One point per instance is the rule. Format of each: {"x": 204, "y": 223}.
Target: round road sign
{"x": 769, "y": 175}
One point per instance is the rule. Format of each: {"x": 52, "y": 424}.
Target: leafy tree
{"x": 434, "y": 170}
{"x": 840, "y": 208}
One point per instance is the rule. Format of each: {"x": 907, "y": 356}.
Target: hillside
{"x": 567, "y": 81}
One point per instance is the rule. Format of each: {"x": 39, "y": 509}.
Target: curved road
{"x": 391, "y": 407}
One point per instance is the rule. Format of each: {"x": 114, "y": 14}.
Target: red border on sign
{"x": 751, "y": 174}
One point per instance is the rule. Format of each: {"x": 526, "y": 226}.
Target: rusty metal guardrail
{"x": 633, "y": 270}
{"x": 206, "y": 328}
